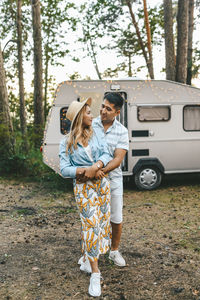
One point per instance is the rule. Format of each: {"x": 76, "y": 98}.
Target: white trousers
{"x": 116, "y": 188}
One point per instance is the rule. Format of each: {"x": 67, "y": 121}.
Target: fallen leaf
{"x": 195, "y": 293}
{"x": 35, "y": 268}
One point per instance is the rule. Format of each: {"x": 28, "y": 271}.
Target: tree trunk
{"x": 130, "y": 74}
{"x": 92, "y": 54}
{"x": 38, "y": 99}
{"x": 46, "y": 80}
{"x": 140, "y": 39}
{"x": 6, "y": 127}
{"x": 95, "y": 60}
{"x": 150, "y": 62}
{"x": 190, "y": 39}
{"x": 20, "y": 76}
{"x": 170, "y": 63}
{"x": 182, "y": 41}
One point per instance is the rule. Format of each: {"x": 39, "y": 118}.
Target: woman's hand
{"x": 84, "y": 174}
{"x": 80, "y": 175}
{"x": 90, "y": 172}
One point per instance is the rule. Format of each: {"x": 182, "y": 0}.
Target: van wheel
{"x": 148, "y": 178}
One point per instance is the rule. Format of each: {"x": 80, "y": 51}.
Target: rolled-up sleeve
{"x": 123, "y": 142}
{"x": 66, "y": 168}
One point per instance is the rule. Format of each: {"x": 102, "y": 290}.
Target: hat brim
{"x": 88, "y": 101}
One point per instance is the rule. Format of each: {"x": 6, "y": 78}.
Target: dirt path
{"x": 40, "y": 236}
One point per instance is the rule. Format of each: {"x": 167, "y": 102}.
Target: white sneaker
{"x": 85, "y": 266}
{"x": 117, "y": 258}
{"x": 80, "y": 261}
{"x": 95, "y": 285}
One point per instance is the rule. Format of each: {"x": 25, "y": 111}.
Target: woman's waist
{"x": 93, "y": 180}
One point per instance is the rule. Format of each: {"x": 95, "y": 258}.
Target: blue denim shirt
{"x": 79, "y": 157}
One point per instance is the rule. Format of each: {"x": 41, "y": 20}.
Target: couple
{"x": 92, "y": 154}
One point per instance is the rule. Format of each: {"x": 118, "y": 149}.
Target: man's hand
{"x": 99, "y": 174}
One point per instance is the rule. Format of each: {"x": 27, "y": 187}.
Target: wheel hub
{"x": 148, "y": 177}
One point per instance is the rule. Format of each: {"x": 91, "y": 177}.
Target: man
{"x": 116, "y": 136}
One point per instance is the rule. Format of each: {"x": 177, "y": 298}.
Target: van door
{"x": 122, "y": 118}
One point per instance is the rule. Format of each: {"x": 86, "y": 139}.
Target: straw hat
{"x": 75, "y": 108}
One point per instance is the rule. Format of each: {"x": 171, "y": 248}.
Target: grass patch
{"x": 25, "y": 211}
{"x": 188, "y": 244}
{"x": 66, "y": 211}
{"x": 49, "y": 180}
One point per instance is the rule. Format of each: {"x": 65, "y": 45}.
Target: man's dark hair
{"x": 114, "y": 98}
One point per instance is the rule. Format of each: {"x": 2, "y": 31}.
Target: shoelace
{"x": 117, "y": 253}
{"x": 101, "y": 277}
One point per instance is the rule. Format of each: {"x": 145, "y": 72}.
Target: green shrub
{"x": 28, "y": 165}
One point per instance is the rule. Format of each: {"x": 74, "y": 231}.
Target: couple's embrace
{"x": 91, "y": 154}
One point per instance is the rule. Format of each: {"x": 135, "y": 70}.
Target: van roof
{"x": 137, "y": 91}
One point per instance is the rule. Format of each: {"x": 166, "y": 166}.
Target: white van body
{"x": 162, "y": 117}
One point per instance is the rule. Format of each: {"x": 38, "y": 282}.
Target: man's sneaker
{"x": 117, "y": 258}
{"x": 85, "y": 266}
{"x": 95, "y": 285}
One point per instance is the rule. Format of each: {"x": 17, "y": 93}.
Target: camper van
{"x": 163, "y": 121}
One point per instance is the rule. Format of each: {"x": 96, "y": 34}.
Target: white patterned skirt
{"x": 93, "y": 201}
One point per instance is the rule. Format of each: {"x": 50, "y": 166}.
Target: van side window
{"x": 191, "y": 118}
{"x": 64, "y": 122}
{"x": 153, "y": 113}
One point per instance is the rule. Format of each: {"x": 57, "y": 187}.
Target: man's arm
{"x": 116, "y": 161}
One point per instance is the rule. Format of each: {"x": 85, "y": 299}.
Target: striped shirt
{"x": 116, "y": 137}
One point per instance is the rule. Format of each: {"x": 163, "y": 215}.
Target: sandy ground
{"x": 40, "y": 244}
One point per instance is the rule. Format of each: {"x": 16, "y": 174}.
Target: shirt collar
{"x": 114, "y": 124}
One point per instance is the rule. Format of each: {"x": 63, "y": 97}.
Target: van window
{"x": 191, "y": 118}
{"x": 64, "y": 122}
{"x": 153, "y": 113}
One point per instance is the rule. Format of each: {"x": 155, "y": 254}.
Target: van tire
{"x": 148, "y": 178}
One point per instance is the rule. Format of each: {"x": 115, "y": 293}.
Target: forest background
{"x": 38, "y": 38}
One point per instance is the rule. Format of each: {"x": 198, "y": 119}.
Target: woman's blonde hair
{"x": 77, "y": 131}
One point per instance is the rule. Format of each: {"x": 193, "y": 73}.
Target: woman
{"x": 83, "y": 153}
